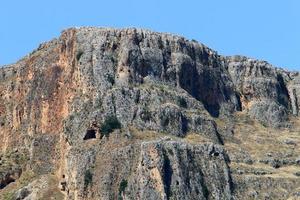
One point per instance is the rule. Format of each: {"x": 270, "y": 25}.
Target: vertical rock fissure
{"x": 283, "y": 97}
{"x": 295, "y": 102}
{"x": 167, "y": 175}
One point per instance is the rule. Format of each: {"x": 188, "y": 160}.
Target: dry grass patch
{"x": 259, "y": 140}
{"x": 8, "y": 192}
{"x": 147, "y": 135}
{"x": 195, "y": 138}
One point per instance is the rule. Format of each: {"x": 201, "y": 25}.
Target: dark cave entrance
{"x": 216, "y": 154}
{"x": 90, "y": 134}
{"x": 7, "y": 181}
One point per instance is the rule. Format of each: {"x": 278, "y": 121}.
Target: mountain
{"x": 102, "y": 113}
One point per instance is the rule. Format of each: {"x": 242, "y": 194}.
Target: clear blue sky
{"x": 264, "y": 29}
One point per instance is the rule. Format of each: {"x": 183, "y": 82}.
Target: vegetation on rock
{"x": 109, "y": 125}
{"x": 192, "y": 124}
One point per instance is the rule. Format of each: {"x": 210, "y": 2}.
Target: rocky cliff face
{"x": 133, "y": 114}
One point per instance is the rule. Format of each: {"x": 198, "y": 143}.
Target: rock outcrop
{"x": 133, "y": 114}
{"x": 263, "y": 89}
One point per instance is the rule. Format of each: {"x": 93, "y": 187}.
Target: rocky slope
{"x": 132, "y": 114}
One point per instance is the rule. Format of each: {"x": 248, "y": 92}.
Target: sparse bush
{"x": 78, "y": 55}
{"x": 8, "y": 195}
{"x": 297, "y": 173}
{"x": 205, "y": 191}
{"x": 110, "y": 124}
{"x": 110, "y": 78}
{"x": 122, "y": 187}
{"x": 182, "y": 102}
{"x": 88, "y": 178}
{"x": 146, "y": 115}
{"x": 264, "y": 124}
{"x": 27, "y": 177}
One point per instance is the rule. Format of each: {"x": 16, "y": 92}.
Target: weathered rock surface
{"x": 159, "y": 169}
{"x": 264, "y": 89}
{"x": 90, "y": 109}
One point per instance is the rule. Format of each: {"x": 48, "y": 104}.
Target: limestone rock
{"x": 103, "y": 113}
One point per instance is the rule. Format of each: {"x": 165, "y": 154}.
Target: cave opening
{"x": 90, "y": 134}
{"x": 216, "y": 154}
{"x": 7, "y": 181}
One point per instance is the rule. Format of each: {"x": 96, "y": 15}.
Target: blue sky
{"x": 263, "y": 29}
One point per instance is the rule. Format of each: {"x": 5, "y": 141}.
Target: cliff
{"x": 132, "y": 114}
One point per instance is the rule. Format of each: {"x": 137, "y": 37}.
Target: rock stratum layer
{"x": 132, "y": 114}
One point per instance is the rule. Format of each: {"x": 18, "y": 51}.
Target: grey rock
{"x": 269, "y": 113}
{"x": 22, "y": 193}
{"x": 167, "y": 95}
{"x": 264, "y": 86}
{"x": 164, "y": 172}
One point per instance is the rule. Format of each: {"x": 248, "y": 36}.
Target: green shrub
{"x": 110, "y": 78}
{"x": 182, "y": 102}
{"x": 122, "y": 187}
{"x": 110, "y": 124}
{"x": 78, "y": 55}
{"x": 205, "y": 191}
{"x": 146, "y": 115}
{"x": 88, "y": 178}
